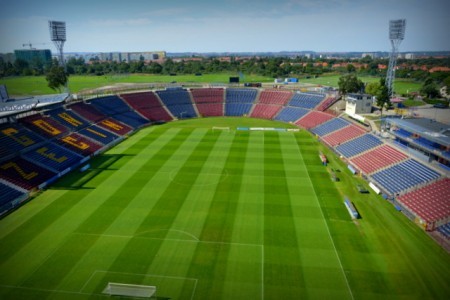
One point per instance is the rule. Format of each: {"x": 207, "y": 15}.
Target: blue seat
{"x": 358, "y": 145}
{"x": 99, "y": 134}
{"x": 7, "y": 195}
{"x": 330, "y": 126}
{"x": 291, "y": 114}
{"x": 240, "y": 95}
{"x": 306, "y": 100}
{"x": 404, "y": 175}
{"x": 237, "y": 109}
{"x": 53, "y": 156}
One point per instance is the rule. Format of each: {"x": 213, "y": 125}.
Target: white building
{"x": 358, "y": 104}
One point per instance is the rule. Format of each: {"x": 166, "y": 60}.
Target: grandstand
{"x": 430, "y": 203}
{"x": 38, "y": 147}
{"x": 423, "y": 137}
{"x": 15, "y": 138}
{"x": 306, "y": 100}
{"x": 53, "y": 157}
{"x": 24, "y": 173}
{"x": 313, "y": 119}
{"x": 358, "y": 145}
{"x": 343, "y": 135}
{"x": 178, "y": 102}
{"x": 330, "y": 126}
{"x": 377, "y": 159}
{"x": 291, "y": 114}
{"x": 148, "y": 105}
{"x": 404, "y": 176}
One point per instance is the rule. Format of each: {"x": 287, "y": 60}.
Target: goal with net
{"x": 129, "y": 290}
{"x": 217, "y": 128}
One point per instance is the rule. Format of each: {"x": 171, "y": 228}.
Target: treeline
{"x": 265, "y": 66}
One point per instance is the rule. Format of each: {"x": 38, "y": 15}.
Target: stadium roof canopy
{"x": 426, "y": 128}
{"x": 15, "y": 106}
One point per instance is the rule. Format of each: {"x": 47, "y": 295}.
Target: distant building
{"x": 358, "y": 104}
{"x": 410, "y": 56}
{"x": 371, "y": 55}
{"x": 33, "y": 56}
{"x": 8, "y": 57}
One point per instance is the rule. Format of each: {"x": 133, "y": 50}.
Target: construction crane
{"x": 29, "y": 44}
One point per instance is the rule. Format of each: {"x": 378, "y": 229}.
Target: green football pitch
{"x": 210, "y": 214}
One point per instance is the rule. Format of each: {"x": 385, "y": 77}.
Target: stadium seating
{"x": 237, "y": 109}
{"x": 431, "y": 202}
{"x": 88, "y": 112}
{"x": 265, "y": 111}
{"x": 98, "y": 134}
{"x": 68, "y": 118}
{"x": 178, "y": 103}
{"x": 402, "y": 133}
{"x": 444, "y": 230}
{"x": 115, "y": 107}
{"x": 210, "y": 109}
{"x": 327, "y": 103}
{"x": 207, "y": 95}
{"x": 313, "y": 119}
{"x": 291, "y": 114}
{"x": 274, "y": 97}
{"x": 46, "y": 126}
{"x": 358, "y": 145}
{"x": 427, "y": 143}
{"x": 52, "y": 156}
{"x": 7, "y": 195}
{"x": 330, "y": 126}
{"x": 132, "y": 119}
{"x": 377, "y": 158}
{"x": 110, "y": 105}
{"x": 80, "y": 144}
{"x": 115, "y": 126}
{"x": 148, "y": 105}
{"x": 14, "y": 138}
{"x": 404, "y": 175}
{"x": 306, "y": 100}
{"x": 342, "y": 135}
{"x": 233, "y": 95}
{"x": 24, "y": 173}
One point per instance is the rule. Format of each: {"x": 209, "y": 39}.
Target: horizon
{"x": 334, "y": 26}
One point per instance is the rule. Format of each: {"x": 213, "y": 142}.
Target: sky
{"x": 225, "y": 25}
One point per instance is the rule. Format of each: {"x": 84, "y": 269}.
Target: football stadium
{"x": 217, "y": 193}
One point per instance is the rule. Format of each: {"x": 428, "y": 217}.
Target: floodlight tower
{"x": 396, "y": 35}
{"x": 58, "y": 37}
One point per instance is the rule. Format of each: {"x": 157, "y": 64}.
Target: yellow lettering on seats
{"x": 74, "y": 142}
{"x": 19, "y": 170}
{"x": 112, "y": 125}
{"x": 23, "y": 139}
{"x": 69, "y": 119}
{"x": 51, "y": 155}
{"x": 46, "y": 127}
{"x": 96, "y": 132}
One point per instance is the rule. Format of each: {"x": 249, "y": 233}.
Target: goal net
{"x": 217, "y": 128}
{"x": 129, "y": 290}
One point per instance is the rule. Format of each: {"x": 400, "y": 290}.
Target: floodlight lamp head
{"x": 57, "y": 31}
{"x": 397, "y": 29}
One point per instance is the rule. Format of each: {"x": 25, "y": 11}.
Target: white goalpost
{"x": 129, "y": 290}
{"x": 217, "y": 128}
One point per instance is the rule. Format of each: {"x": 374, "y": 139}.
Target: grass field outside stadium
{"x": 37, "y": 85}
{"x": 210, "y": 214}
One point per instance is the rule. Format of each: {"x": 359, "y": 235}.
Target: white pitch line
{"x": 262, "y": 272}
{"x": 328, "y": 229}
{"x": 167, "y": 239}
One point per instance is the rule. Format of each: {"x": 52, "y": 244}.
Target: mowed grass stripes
{"x": 205, "y": 214}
